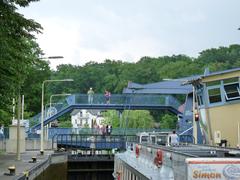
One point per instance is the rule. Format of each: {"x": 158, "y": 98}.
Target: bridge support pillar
{"x": 11, "y": 143}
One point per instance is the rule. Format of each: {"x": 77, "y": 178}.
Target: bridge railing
{"x": 123, "y": 100}
{"x": 92, "y": 141}
{"x": 128, "y": 99}
{"x": 48, "y": 112}
{"x": 115, "y": 131}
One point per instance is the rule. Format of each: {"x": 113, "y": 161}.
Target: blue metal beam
{"x": 104, "y": 106}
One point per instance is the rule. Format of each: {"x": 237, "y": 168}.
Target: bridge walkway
{"x": 117, "y": 102}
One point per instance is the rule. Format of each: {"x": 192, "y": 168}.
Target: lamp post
{"x": 54, "y": 95}
{"x": 195, "y": 134}
{"x": 42, "y": 111}
{"x": 52, "y": 57}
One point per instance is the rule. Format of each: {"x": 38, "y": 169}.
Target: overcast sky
{"x": 95, "y": 30}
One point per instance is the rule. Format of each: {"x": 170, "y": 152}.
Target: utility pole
{"x": 18, "y": 126}
{"x": 194, "y": 110}
{"x": 13, "y": 108}
{"x": 22, "y": 107}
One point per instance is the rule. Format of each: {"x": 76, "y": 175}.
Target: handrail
{"x": 92, "y": 141}
{"x": 118, "y": 101}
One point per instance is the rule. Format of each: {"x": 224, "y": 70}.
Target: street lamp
{"x": 42, "y": 111}
{"x": 52, "y": 57}
{"x": 54, "y": 95}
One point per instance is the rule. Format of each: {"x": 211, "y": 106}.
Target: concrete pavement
{"x": 21, "y": 166}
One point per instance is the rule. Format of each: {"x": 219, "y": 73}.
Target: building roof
{"x": 171, "y": 86}
{"x": 207, "y": 74}
{"x": 221, "y": 72}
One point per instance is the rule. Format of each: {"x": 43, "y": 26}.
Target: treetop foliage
{"x": 19, "y": 53}
{"x": 22, "y": 71}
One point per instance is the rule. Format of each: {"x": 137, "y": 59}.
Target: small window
{"x": 153, "y": 139}
{"x": 214, "y": 95}
{"x": 144, "y": 139}
{"x": 230, "y": 80}
{"x": 232, "y": 91}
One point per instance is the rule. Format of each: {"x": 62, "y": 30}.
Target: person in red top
{"x": 118, "y": 175}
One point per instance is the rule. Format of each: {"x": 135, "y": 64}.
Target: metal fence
{"x": 125, "y": 100}
{"x": 129, "y": 99}
{"x": 92, "y": 141}
{"x": 115, "y": 131}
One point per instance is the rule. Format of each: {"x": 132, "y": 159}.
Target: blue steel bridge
{"x": 118, "y": 102}
{"x": 153, "y": 96}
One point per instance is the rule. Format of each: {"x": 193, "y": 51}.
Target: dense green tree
{"x": 32, "y": 87}
{"x": 18, "y": 52}
{"x": 221, "y": 58}
{"x": 65, "y": 124}
{"x": 130, "y": 119}
{"x": 22, "y": 71}
{"x": 168, "y": 122}
{"x": 111, "y": 117}
{"x": 115, "y": 75}
{"x": 65, "y": 121}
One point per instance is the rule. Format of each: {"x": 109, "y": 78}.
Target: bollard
{"x": 34, "y": 159}
{"x": 26, "y": 173}
{"x": 12, "y": 170}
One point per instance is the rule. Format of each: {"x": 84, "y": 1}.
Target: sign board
{"x": 213, "y": 168}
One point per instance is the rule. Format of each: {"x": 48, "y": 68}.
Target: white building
{"x": 82, "y": 118}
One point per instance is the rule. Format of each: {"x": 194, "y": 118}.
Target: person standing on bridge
{"x": 109, "y": 129}
{"x": 90, "y": 95}
{"x": 107, "y": 96}
{"x": 93, "y": 145}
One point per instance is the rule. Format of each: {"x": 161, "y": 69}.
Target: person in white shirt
{"x": 90, "y": 96}
{"x": 173, "y": 139}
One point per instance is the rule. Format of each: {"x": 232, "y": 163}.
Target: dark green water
{"x": 54, "y": 172}
{"x": 78, "y": 171}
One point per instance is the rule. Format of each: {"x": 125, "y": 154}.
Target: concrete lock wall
{"x": 11, "y": 143}
{"x": 34, "y": 144}
{"x": 25, "y": 144}
{"x": 29, "y": 144}
{"x": 2, "y": 144}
